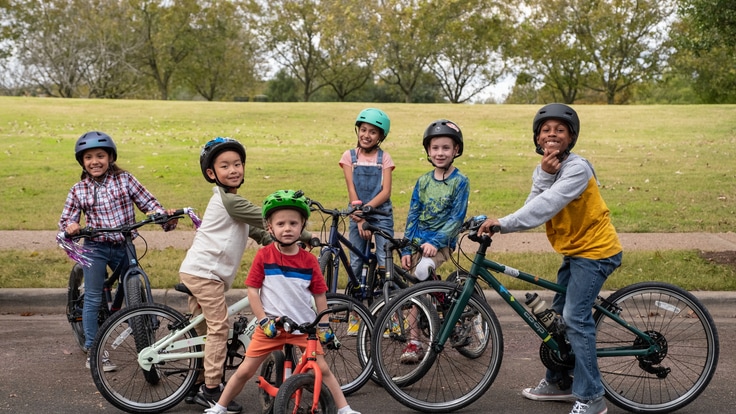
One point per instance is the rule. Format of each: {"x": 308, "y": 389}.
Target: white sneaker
{"x": 107, "y": 365}
{"x": 215, "y": 410}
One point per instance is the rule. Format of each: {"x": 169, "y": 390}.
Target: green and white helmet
{"x": 283, "y": 199}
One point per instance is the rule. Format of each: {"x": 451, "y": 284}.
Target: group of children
{"x": 564, "y": 195}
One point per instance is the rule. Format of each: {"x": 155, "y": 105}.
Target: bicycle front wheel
{"x": 296, "y": 395}
{"x": 327, "y": 266}
{"x": 686, "y": 334}
{"x": 449, "y": 379}
{"x": 126, "y": 387}
{"x": 349, "y": 356}
{"x": 142, "y": 328}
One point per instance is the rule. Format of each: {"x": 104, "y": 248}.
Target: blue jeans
{"x": 101, "y": 255}
{"x": 385, "y": 223}
{"x": 583, "y": 279}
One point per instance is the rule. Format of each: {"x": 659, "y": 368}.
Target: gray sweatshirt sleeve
{"x": 550, "y": 193}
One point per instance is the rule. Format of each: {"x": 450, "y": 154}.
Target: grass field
{"x": 661, "y": 168}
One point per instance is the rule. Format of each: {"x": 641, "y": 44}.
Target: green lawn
{"x": 662, "y": 168}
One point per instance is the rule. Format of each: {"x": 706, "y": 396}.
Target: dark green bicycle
{"x": 657, "y": 345}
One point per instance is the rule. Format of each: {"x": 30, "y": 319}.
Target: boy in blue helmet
{"x": 213, "y": 260}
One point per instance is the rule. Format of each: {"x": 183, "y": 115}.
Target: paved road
{"x": 43, "y": 371}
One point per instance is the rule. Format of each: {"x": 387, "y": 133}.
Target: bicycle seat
{"x": 182, "y": 288}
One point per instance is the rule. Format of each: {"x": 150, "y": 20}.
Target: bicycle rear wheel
{"x": 126, "y": 388}
{"x": 449, "y": 380}
{"x": 296, "y": 395}
{"x": 684, "y": 329}
{"x": 75, "y": 304}
{"x": 349, "y": 356}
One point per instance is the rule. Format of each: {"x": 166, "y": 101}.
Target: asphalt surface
{"x": 44, "y": 368}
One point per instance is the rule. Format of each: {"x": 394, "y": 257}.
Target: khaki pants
{"x": 209, "y": 298}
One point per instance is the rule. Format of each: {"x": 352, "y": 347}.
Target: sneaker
{"x": 107, "y": 365}
{"x": 353, "y": 325}
{"x": 412, "y": 353}
{"x": 189, "y": 399}
{"x": 597, "y": 406}
{"x": 395, "y": 329}
{"x": 215, "y": 410}
{"x": 547, "y": 392}
{"x": 208, "y": 398}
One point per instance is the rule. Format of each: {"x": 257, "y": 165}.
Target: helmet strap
{"x": 227, "y": 187}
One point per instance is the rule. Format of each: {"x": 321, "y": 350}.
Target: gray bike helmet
{"x": 212, "y": 148}
{"x": 443, "y": 128}
{"x": 375, "y": 117}
{"x": 556, "y": 111}
{"x": 95, "y": 139}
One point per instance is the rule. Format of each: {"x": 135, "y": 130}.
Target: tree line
{"x": 585, "y": 51}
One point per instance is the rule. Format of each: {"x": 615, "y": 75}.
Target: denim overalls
{"x": 368, "y": 182}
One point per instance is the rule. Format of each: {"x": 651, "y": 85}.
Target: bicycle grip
{"x": 372, "y": 210}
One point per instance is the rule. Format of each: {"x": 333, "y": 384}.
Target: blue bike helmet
{"x": 95, "y": 139}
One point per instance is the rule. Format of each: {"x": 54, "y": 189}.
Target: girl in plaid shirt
{"x": 106, "y": 194}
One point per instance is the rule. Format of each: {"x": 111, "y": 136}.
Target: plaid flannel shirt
{"x": 108, "y": 204}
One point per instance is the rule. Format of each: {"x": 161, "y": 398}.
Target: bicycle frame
{"x": 308, "y": 362}
{"x": 165, "y": 349}
{"x": 482, "y": 268}
{"x": 336, "y": 239}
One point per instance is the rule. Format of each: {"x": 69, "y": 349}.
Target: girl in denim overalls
{"x": 368, "y": 171}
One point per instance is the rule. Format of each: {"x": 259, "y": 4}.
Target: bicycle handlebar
{"x": 290, "y": 325}
{"x": 397, "y": 243}
{"x": 353, "y": 209}
{"x": 473, "y": 225}
{"x": 156, "y": 218}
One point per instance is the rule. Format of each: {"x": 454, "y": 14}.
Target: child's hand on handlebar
{"x": 72, "y": 229}
{"x": 488, "y": 226}
{"x": 269, "y": 327}
{"x": 325, "y": 333}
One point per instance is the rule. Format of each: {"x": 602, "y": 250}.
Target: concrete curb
{"x": 53, "y": 301}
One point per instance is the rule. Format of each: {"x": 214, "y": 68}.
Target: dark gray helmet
{"x": 215, "y": 146}
{"x": 556, "y": 111}
{"x": 95, "y": 139}
{"x": 443, "y": 128}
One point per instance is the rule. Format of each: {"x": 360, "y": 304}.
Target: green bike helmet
{"x": 375, "y": 117}
{"x": 95, "y": 139}
{"x": 282, "y": 199}
{"x": 556, "y": 111}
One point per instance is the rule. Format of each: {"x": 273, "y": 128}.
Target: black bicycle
{"x": 133, "y": 285}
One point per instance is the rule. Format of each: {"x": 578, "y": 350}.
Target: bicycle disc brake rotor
{"x": 552, "y": 360}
